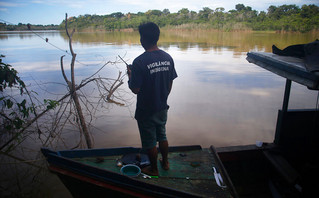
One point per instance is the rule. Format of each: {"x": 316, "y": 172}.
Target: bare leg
{"x": 163, "y": 146}
{"x": 152, "y": 154}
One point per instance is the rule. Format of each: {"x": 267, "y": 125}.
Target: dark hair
{"x": 150, "y": 33}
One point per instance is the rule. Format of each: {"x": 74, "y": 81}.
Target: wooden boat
{"x": 287, "y": 167}
{"x": 94, "y": 173}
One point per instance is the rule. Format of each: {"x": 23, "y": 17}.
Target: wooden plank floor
{"x": 190, "y": 171}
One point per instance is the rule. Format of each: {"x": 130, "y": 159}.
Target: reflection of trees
{"x": 203, "y": 39}
{"x": 233, "y": 41}
{"x": 4, "y": 37}
{"x": 97, "y": 38}
{"x": 26, "y": 34}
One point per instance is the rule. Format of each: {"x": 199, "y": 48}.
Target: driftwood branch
{"x": 40, "y": 115}
{"x": 73, "y": 89}
{"x": 117, "y": 83}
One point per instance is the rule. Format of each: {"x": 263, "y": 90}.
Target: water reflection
{"x": 237, "y": 42}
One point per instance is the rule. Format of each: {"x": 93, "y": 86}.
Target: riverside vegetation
{"x": 242, "y": 18}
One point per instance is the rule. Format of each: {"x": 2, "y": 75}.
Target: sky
{"x": 47, "y": 12}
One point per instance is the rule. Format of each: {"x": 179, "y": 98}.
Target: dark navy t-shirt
{"x": 152, "y": 72}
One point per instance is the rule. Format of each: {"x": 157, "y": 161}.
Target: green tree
{"x": 117, "y": 15}
{"x": 183, "y": 11}
{"x": 308, "y": 11}
{"x": 205, "y": 13}
{"x": 166, "y": 11}
{"x": 240, "y": 7}
{"x": 218, "y": 17}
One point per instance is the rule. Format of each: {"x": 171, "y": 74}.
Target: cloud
{"x": 257, "y": 92}
{"x": 9, "y": 4}
{"x": 176, "y": 5}
{"x": 173, "y": 6}
{"x": 38, "y": 1}
{"x": 72, "y": 4}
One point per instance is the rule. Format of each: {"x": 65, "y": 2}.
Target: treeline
{"x": 281, "y": 18}
{"x": 277, "y": 18}
{"x": 24, "y": 27}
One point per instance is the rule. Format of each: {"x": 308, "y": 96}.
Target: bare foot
{"x": 148, "y": 171}
{"x": 165, "y": 166}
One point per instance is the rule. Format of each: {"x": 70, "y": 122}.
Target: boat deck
{"x": 190, "y": 171}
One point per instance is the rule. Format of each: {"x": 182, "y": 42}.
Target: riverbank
{"x": 179, "y": 28}
{"x": 189, "y": 27}
{"x": 193, "y": 27}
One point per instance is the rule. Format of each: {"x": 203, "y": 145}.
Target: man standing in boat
{"x": 151, "y": 77}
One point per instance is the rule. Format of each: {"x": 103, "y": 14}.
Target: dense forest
{"x": 281, "y": 18}
{"x": 22, "y": 27}
{"x": 242, "y": 18}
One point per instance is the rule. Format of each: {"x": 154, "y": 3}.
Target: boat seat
{"x": 282, "y": 166}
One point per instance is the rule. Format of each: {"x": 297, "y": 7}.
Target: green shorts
{"x": 152, "y": 129}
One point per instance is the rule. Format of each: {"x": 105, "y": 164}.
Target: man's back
{"x": 152, "y": 72}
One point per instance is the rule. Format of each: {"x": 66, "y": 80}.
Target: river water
{"x": 218, "y": 98}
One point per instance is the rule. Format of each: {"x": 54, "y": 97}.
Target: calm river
{"x": 218, "y": 98}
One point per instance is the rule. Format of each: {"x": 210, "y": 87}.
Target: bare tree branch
{"x": 63, "y": 73}
{"x": 73, "y": 89}
{"x": 40, "y": 115}
{"x": 114, "y": 88}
